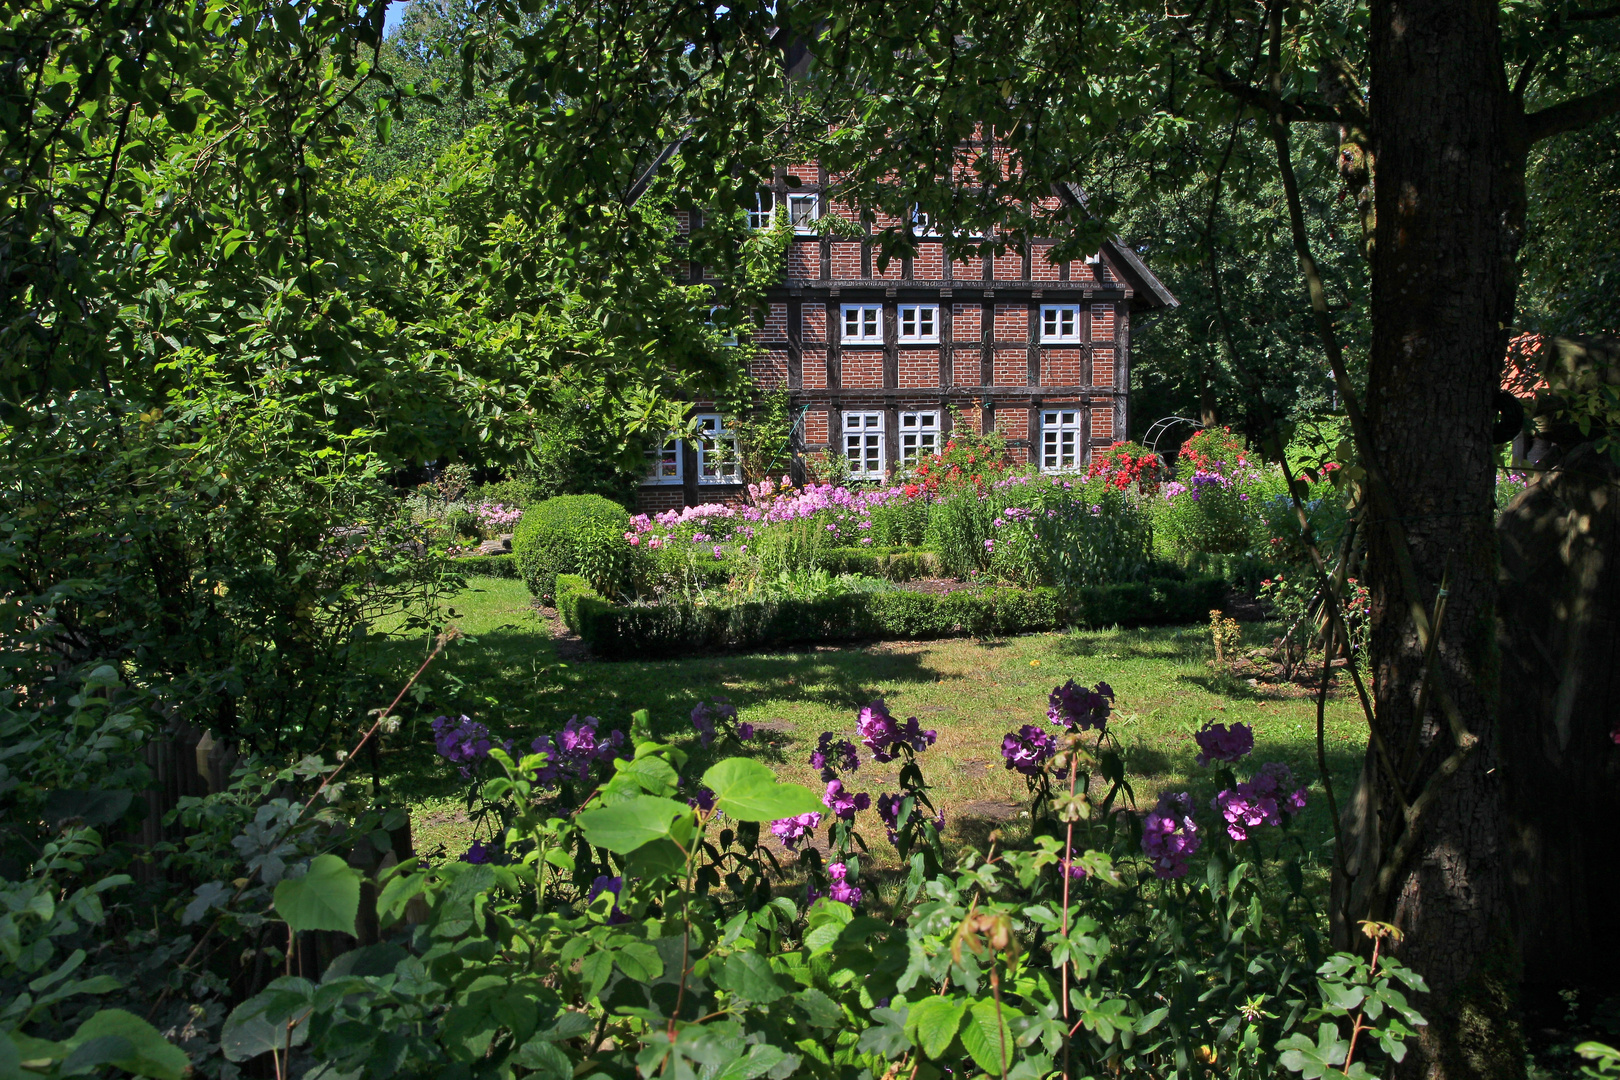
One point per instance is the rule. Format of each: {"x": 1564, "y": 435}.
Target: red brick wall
{"x": 1039, "y": 268}
{"x": 1102, "y": 420}
{"x": 1010, "y": 266}
{"x": 966, "y": 326}
{"x": 814, "y": 369}
{"x": 805, "y": 171}
{"x": 1012, "y": 367}
{"x": 1102, "y": 366}
{"x": 815, "y": 426}
{"x": 813, "y": 320}
{"x": 896, "y": 270}
{"x": 846, "y": 259}
{"x": 775, "y": 328}
{"x": 1012, "y": 322}
{"x": 919, "y": 367}
{"x": 771, "y": 369}
{"x": 1060, "y": 367}
{"x": 656, "y": 498}
{"x": 968, "y": 269}
{"x": 1102, "y": 322}
{"x": 840, "y": 208}
{"x": 1013, "y": 422}
{"x": 863, "y": 368}
{"x": 1079, "y": 271}
{"x": 804, "y": 259}
{"x": 929, "y": 263}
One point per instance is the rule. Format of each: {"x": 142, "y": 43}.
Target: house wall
{"x": 990, "y": 359}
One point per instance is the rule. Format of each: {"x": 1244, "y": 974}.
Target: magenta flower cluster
{"x": 833, "y": 753}
{"x": 842, "y": 803}
{"x": 886, "y": 737}
{"x": 1079, "y": 708}
{"x": 1217, "y": 742}
{"x": 706, "y": 715}
{"x": 888, "y": 808}
{"x": 1028, "y": 749}
{"x": 571, "y": 751}
{"x": 839, "y": 888}
{"x": 1170, "y": 835}
{"x": 463, "y": 742}
{"x": 1259, "y": 802}
{"x": 792, "y": 831}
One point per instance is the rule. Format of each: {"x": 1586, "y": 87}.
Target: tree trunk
{"x": 1447, "y": 196}
{"x": 1560, "y": 635}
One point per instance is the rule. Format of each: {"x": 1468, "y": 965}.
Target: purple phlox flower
{"x": 571, "y": 751}
{"x": 1078, "y": 708}
{"x": 832, "y": 754}
{"x": 745, "y": 731}
{"x": 1221, "y": 743}
{"x": 1260, "y": 801}
{"x": 842, "y": 803}
{"x": 1170, "y": 835}
{"x": 706, "y": 715}
{"x": 703, "y": 800}
{"x": 838, "y": 888}
{"x": 886, "y": 737}
{"x": 613, "y": 886}
{"x": 888, "y": 808}
{"x": 990, "y": 545}
{"x": 463, "y": 742}
{"x": 1028, "y": 749}
{"x": 1072, "y": 868}
{"x": 791, "y": 831}
{"x": 481, "y": 853}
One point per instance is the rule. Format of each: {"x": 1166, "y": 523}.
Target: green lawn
{"x": 506, "y": 673}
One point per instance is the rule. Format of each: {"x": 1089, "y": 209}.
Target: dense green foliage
{"x": 567, "y": 534}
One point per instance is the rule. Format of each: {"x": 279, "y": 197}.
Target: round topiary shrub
{"x": 563, "y": 535}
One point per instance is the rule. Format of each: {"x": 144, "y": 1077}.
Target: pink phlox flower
{"x": 1221, "y": 743}
{"x": 792, "y": 831}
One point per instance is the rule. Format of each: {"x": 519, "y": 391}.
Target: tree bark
{"x": 1560, "y": 632}
{"x": 1448, "y": 196}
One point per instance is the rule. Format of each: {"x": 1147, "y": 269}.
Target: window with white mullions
{"x": 716, "y": 452}
{"x": 863, "y": 444}
{"x": 803, "y": 212}
{"x": 863, "y": 323}
{"x": 919, "y": 322}
{"x": 919, "y": 436}
{"x": 664, "y": 462}
{"x": 763, "y": 215}
{"x": 1060, "y": 322}
{"x": 1060, "y": 440}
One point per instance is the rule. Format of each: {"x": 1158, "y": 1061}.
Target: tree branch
{"x": 1273, "y": 103}
{"x": 1573, "y": 114}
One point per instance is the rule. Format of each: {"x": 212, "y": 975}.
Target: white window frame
{"x": 728, "y": 337}
{"x": 801, "y": 198}
{"x": 659, "y": 461}
{"x": 920, "y": 313}
{"x": 922, "y": 223}
{"x": 864, "y": 446}
{"x": 919, "y": 435}
{"x": 868, "y": 322}
{"x": 1052, "y": 315}
{"x": 714, "y": 464}
{"x": 1060, "y": 438}
{"x": 763, "y": 215}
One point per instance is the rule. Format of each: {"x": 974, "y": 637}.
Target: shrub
{"x": 1125, "y": 464}
{"x": 551, "y": 539}
{"x": 498, "y": 566}
{"x": 900, "y": 522}
{"x": 958, "y": 528}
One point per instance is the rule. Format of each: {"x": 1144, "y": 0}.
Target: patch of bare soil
{"x": 570, "y": 649}
{"x": 990, "y": 810}
{"x": 937, "y": 586}
{"x": 1244, "y": 606}
{"x": 1260, "y": 669}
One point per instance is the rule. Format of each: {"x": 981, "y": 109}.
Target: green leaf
{"x": 125, "y": 1040}
{"x": 887, "y": 1035}
{"x": 933, "y": 1022}
{"x": 749, "y": 976}
{"x": 325, "y": 898}
{"x": 1313, "y": 1060}
{"x": 655, "y": 775}
{"x": 248, "y": 1032}
{"x": 761, "y": 1059}
{"x": 986, "y": 1037}
{"x": 624, "y": 827}
{"x": 659, "y": 859}
{"x": 547, "y": 1061}
{"x": 749, "y": 791}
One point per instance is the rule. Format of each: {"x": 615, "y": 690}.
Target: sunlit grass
{"x": 505, "y": 672}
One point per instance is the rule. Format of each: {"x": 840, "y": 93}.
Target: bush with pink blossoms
{"x": 1170, "y": 835}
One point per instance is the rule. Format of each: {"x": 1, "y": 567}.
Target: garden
{"x": 354, "y": 725}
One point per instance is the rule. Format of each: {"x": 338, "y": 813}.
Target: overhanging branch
{"x": 1573, "y": 114}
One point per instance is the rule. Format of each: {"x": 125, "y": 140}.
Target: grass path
{"x": 506, "y": 673}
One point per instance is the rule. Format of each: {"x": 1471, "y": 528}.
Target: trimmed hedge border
{"x": 502, "y": 566}
{"x": 615, "y": 632}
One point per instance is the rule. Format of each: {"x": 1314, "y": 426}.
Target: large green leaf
{"x": 749, "y": 976}
{"x": 623, "y": 827}
{"x": 933, "y": 1022}
{"x": 326, "y": 898}
{"x": 749, "y": 791}
{"x": 116, "y": 1037}
{"x": 986, "y": 1036}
